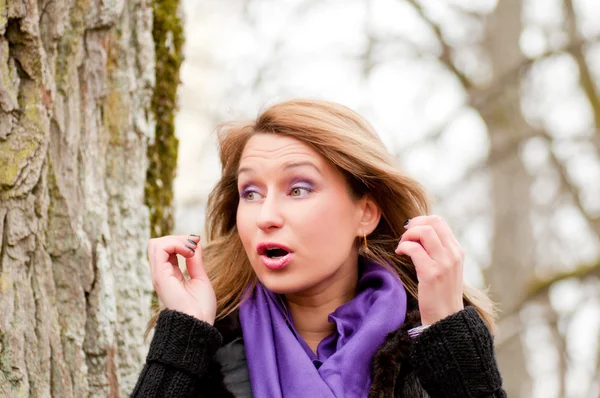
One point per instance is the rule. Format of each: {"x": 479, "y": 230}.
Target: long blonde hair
{"x": 350, "y": 143}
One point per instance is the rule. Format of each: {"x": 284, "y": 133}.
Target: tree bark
{"x": 513, "y": 249}
{"x": 76, "y": 81}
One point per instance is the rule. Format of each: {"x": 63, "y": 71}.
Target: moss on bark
{"x": 168, "y": 37}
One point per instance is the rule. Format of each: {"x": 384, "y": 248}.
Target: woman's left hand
{"x": 438, "y": 259}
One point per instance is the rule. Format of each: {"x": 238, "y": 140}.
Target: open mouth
{"x": 276, "y": 252}
{"x": 274, "y": 256}
{"x": 272, "y": 250}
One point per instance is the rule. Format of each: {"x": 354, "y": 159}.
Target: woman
{"x": 314, "y": 282}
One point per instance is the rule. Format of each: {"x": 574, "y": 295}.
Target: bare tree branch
{"x": 481, "y": 96}
{"x": 446, "y": 56}
{"x": 512, "y": 146}
{"x": 568, "y": 185}
{"x": 561, "y": 349}
{"x": 540, "y": 288}
{"x": 510, "y": 326}
{"x": 585, "y": 76}
{"x": 466, "y": 11}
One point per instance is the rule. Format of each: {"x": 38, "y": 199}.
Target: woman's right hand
{"x": 195, "y": 296}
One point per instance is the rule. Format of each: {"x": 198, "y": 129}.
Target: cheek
{"x": 327, "y": 227}
{"x": 244, "y": 223}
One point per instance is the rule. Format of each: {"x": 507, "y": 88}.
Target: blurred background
{"x": 107, "y": 118}
{"x": 493, "y": 105}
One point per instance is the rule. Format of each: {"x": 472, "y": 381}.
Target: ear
{"x": 370, "y": 214}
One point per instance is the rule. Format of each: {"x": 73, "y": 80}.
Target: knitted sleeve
{"x": 454, "y": 358}
{"x": 180, "y": 357}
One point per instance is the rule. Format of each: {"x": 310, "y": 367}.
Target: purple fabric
{"x": 281, "y": 364}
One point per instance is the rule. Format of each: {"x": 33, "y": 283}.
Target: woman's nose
{"x": 270, "y": 216}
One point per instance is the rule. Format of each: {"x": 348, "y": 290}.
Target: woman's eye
{"x": 250, "y": 195}
{"x": 299, "y": 192}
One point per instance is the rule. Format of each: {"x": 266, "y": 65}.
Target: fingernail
{"x": 192, "y": 242}
{"x": 193, "y": 251}
{"x": 406, "y": 222}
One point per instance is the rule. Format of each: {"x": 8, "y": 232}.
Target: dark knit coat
{"x": 453, "y": 358}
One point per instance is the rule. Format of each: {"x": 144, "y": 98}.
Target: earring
{"x": 364, "y": 241}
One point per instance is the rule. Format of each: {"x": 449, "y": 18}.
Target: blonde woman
{"x": 322, "y": 275}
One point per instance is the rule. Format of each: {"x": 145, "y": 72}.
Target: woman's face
{"x": 296, "y": 217}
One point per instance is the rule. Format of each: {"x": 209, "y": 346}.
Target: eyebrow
{"x": 287, "y": 166}
{"x": 293, "y": 165}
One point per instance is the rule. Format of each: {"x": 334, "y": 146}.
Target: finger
{"x": 191, "y": 239}
{"x": 173, "y": 270}
{"x": 445, "y": 234}
{"x": 177, "y": 245}
{"x": 165, "y": 248}
{"x": 428, "y": 238}
{"x": 422, "y": 261}
{"x": 160, "y": 269}
{"x": 195, "y": 266}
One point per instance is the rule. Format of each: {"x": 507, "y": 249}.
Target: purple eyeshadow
{"x": 303, "y": 184}
{"x": 247, "y": 189}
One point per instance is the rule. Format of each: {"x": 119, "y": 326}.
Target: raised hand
{"x": 194, "y": 296}
{"x": 438, "y": 259}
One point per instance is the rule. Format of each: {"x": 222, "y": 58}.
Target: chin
{"x": 283, "y": 283}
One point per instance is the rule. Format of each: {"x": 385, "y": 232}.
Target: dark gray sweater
{"x": 454, "y": 358}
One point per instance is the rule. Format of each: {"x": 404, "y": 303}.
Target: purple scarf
{"x": 280, "y": 362}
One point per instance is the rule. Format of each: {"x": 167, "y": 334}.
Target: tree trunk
{"x": 512, "y": 262}
{"x": 76, "y": 81}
